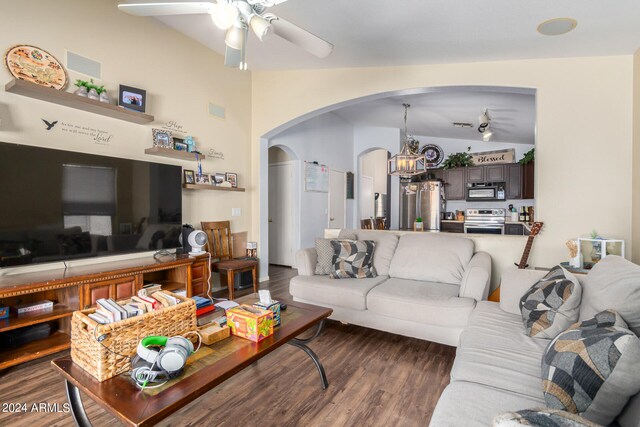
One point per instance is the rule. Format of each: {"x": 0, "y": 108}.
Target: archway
{"x": 357, "y": 151}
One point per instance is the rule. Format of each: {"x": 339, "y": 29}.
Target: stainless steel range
{"x": 484, "y": 221}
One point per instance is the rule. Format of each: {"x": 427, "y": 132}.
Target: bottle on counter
{"x": 527, "y": 217}
{"x": 521, "y": 218}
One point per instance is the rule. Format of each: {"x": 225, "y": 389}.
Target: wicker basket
{"x": 105, "y": 351}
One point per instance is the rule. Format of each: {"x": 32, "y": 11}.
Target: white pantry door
{"x": 280, "y": 214}
{"x": 337, "y": 199}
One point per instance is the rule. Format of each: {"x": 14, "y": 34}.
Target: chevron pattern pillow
{"x": 591, "y": 369}
{"x": 353, "y": 259}
{"x": 552, "y": 304}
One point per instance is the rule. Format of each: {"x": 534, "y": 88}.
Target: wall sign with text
{"x": 492, "y": 157}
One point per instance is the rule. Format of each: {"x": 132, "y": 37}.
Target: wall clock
{"x": 433, "y": 154}
{"x": 35, "y": 65}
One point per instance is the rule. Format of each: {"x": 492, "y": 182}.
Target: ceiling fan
{"x": 236, "y": 17}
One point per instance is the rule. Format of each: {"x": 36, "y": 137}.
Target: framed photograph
{"x": 202, "y": 179}
{"x": 132, "y": 98}
{"x": 232, "y": 178}
{"x": 162, "y": 138}
{"x": 189, "y": 176}
{"x": 179, "y": 144}
{"x": 218, "y": 178}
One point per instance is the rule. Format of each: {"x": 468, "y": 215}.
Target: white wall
{"x": 374, "y": 164}
{"x": 180, "y": 76}
{"x": 328, "y": 140}
{"x": 366, "y": 139}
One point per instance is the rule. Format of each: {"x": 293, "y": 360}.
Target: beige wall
{"x": 584, "y": 132}
{"x": 181, "y": 77}
{"x": 636, "y": 158}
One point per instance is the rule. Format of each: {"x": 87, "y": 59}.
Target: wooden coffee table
{"x": 207, "y": 368}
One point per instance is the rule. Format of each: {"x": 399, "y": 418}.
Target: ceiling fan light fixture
{"x": 260, "y": 26}
{"x": 235, "y": 37}
{"x": 224, "y": 16}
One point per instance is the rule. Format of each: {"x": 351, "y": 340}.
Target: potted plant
{"x": 418, "y": 225}
{"x": 91, "y": 90}
{"x": 528, "y": 157}
{"x": 458, "y": 160}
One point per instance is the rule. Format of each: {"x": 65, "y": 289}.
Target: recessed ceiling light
{"x": 557, "y": 26}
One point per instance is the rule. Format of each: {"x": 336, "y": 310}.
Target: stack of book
{"x": 208, "y": 312}
{"x": 109, "y": 311}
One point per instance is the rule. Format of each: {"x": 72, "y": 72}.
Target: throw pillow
{"x": 541, "y": 417}
{"x": 614, "y": 283}
{"x": 353, "y": 259}
{"x": 552, "y": 304}
{"x": 325, "y": 256}
{"x": 591, "y": 369}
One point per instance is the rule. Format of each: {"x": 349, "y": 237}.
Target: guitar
{"x": 535, "y": 229}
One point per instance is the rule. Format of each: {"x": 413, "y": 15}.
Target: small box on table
{"x": 4, "y": 312}
{"x": 249, "y": 322}
{"x": 274, "y": 306}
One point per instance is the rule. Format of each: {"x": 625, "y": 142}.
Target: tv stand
{"x": 78, "y": 288}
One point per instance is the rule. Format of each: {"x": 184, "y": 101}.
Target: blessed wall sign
{"x": 492, "y": 157}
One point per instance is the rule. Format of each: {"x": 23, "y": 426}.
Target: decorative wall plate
{"x": 35, "y": 65}
{"x": 433, "y": 155}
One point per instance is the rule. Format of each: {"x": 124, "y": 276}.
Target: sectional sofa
{"x": 427, "y": 285}
{"x": 498, "y": 367}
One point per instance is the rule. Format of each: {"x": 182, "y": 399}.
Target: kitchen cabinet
{"x": 528, "y": 175}
{"x": 454, "y": 188}
{"x": 452, "y": 227}
{"x": 513, "y": 181}
{"x": 475, "y": 174}
{"x": 436, "y": 173}
{"x": 494, "y": 173}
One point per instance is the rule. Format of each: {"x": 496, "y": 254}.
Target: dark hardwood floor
{"x": 375, "y": 378}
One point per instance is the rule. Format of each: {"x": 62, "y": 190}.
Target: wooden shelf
{"x": 209, "y": 187}
{"x": 174, "y": 154}
{"x": 15, "y": 355}
{"x": 172, "y": 286}
{"x": 68, "y": 99}
{"x": 19, "y": 321}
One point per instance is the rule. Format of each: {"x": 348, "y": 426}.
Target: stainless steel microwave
{"x": 485, "y": 191}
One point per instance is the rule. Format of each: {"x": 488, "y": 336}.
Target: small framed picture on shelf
{"x": 189, "y": 176}
{"x": 179, "y": 144}
{"x": 162, "y": 138}
{"x": 231, "y": 178}
{"x": 202, "y": 179}
{"x": 132, "y": 98}
{"x": 218, "y": 178}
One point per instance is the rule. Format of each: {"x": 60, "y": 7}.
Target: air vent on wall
{"x": 217, "y": 111}
{"x": 86, "y": 66}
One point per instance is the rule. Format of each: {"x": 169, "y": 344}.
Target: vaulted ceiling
{"x": 402, "y": 32}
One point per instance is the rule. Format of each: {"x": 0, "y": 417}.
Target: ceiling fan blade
{"x": 300, "y": 37}
{"x": 158, "y": 9}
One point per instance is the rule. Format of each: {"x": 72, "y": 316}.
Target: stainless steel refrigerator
{"x": 424, "y": 200}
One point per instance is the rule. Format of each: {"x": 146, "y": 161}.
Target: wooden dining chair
{"x": 221, "y": 250}
{"x": 380, "y": 224}
{"x": 366, "y": 224}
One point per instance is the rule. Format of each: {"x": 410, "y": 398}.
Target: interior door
{"x": 337, "y": 199}
{"x": 280, "y": 218}
{"x": 366, "y": 198}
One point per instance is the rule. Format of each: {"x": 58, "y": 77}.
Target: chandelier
{"x": 408, "y": 162}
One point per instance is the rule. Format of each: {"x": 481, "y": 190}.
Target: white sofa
{"x": 427, "y": 286}
{"x": 498, "y": 367}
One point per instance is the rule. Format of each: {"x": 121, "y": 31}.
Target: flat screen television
{"x": 59, "y": 205}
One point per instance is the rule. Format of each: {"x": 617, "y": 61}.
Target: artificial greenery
{"x": 90, "y": 85}
{"x": 419, "y": 219}
{"x": 529, "y": 157}
{"x": 458, "y": 160}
